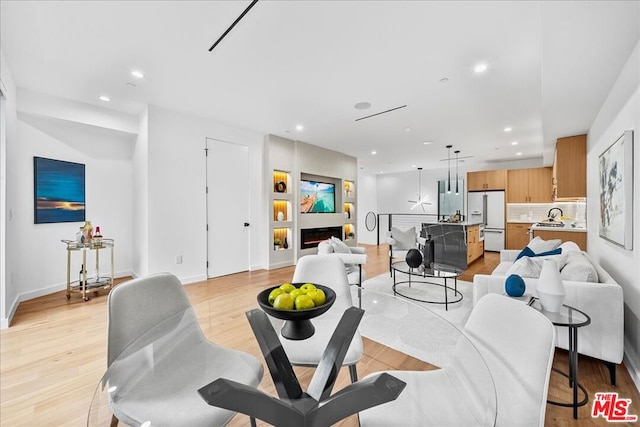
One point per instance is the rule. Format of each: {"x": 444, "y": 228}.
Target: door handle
{"x": 246, "y": 224}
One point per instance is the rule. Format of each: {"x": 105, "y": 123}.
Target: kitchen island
{"x": 456, "y": 243}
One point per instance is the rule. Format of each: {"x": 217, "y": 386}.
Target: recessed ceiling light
{"x": 407, "y": 129}
{"x": 507, "y": 129}
{"x": 480, "y": 68}
{"x": 137, "y": 74}
{"x": 413, "y": 166}
{"x": 104, "y": 98}
{"x": 514, "y": 143}
{"x": 299, "y": 127}
{"x": 518, "y": 154}
{"x": 374, "y": 152}
{"x": 362, "y": 105}
{"x": 427, "y": 143}
{"x": 381, "y": 171}
{"x": 444, "y": 80}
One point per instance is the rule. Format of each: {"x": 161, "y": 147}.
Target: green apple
{"x": 304, "y": 302}
{"x": 305, "y": 288}
{"x": 283, "y": 302}
{"x": 273, "y": 294}
{"x": 287, "y": 287}
{"x": 295, "y": 293}
{"x": 318, "y": 297}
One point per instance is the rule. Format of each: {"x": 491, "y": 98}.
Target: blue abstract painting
{"x": 59, "y": 191}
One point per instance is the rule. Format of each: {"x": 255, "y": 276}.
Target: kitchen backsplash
{"x": 535, "y": 212}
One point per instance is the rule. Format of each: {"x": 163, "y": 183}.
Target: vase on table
{"x": 550, "y": 287}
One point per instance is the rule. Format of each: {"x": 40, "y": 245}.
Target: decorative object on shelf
{"x": 413, "y": 258}
{"x": 347, "y": 189}
{"x": 97, "y": 237}
{"x": 351, "y": 235}
{"x": 421, "y": 200}
{"x": 550, "y": 287}
{"x": 429, "y": 253}
{"x": 87, "y": 232}
{"x": 82, "y": 272}
{"x": 276, "y": 243}
{"x": 280, "y": 187}
{"x": 616, "y": 192}
{"x": 80, "y": 236}
{"x": 59, "y": 191}
{"x": 514, "y": 286}
{"x": 280, "y": 216}
{"x": 285, "y": 244}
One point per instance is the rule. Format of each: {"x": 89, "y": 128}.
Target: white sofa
{"x": 603, "y": 339}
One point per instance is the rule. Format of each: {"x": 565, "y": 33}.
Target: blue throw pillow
{"x": 528, "y": 252}
{"x": 525, "y": 252}
{"x": 514, "y": 286}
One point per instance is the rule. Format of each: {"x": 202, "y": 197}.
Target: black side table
{"x": 572, "y": 319}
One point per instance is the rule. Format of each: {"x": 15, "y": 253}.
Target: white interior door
{"x": 227, "y": 208}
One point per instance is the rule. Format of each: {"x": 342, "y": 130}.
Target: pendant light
{"x": 421, "y": 200}
{"x": 449, "y": 169}
{"x": 457, "y": 152}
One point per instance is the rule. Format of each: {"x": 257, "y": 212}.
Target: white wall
{"x": 39, "y": 264}
{"x": 367, "y": 201}
{"x": 8, "y": 233}
{"x": 140, "y": 199}
{"x": 620, "y": 112}
{"x": 176, "y": 192}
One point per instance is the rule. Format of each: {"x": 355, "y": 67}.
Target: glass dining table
{"x": 436, "y": 372}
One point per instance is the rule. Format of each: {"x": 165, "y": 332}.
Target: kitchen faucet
{"x": 552, "y": 217}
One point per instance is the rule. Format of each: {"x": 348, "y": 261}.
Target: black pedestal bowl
{"x": 297, "y": 325}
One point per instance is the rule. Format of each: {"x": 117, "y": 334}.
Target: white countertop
{"x": 565, "y": 228}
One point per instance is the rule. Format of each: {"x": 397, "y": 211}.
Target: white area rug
{"x": 429, "y": 335}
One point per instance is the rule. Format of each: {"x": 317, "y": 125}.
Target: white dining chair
{"x": 517, "y": 345}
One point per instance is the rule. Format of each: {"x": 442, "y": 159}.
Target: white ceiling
{"x": 550, "y": 68}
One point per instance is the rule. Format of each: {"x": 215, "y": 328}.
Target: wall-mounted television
{"x": 317, "y": 197}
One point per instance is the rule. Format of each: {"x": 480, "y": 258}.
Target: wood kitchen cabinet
{"x": 475, "y": 246}
{"x": 579, "y": 238}
{"x": 570, "y": 168}
{"x": 529, "y": 185}
{"x": 517, "y": 235}
{"x": 487, "y": 180}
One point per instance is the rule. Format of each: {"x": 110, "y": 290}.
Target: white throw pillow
{"x": 579, "y": 269}
{"x": 405, "y": 240}
{"x": 570, "y": 247}
{"x": 532, "y": 266}
{"x": 538, "y": 245}
{"x": 339, "y": 246}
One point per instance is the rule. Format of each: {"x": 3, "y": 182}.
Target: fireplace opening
{"x": 310, "y": 237}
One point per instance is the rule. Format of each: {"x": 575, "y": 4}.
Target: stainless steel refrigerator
{"x": 488, "y": 208}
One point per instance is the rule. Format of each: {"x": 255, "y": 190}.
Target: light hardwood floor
{"x": 54, "y": 353}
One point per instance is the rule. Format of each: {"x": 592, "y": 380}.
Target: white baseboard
{"x": 632, "y": 362}
{"x": 193, "y": 279}
{"x": 5, "y": 323}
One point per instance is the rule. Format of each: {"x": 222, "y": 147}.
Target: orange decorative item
{"x": 87, "y": 231}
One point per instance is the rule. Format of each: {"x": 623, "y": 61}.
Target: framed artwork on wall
{"x": 58, "y": 191}
{"x": 616, "y": 192}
